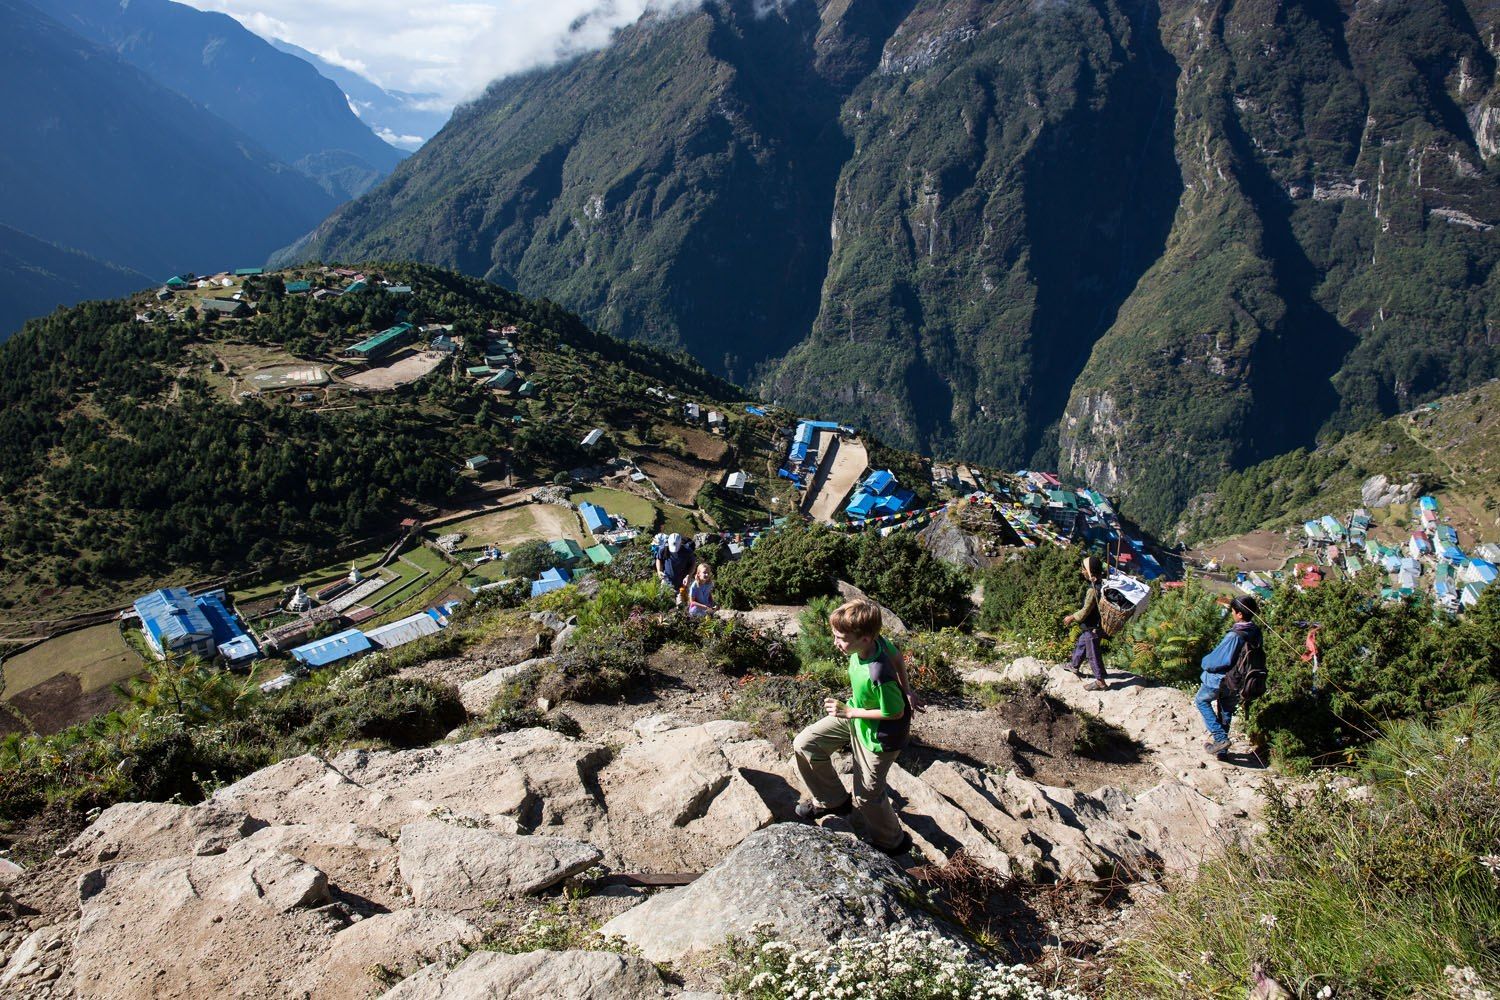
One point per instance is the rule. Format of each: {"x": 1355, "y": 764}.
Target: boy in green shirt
{"x": 873, "y": 724}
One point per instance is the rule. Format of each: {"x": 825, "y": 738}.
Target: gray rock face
{"x": 1380, "y": 491}
{"x": 812, "y": 886}
{"x": 537, "y": 975}
{"x": 133, "y": 830}
{"x": 459, "y": 869}
{"x": 534, "y": 777}
{"x": 677, "y": 802}
{"x": 479, "y": 694}
{"x": 403, "y": 941}
{"x": 890, "y": 622}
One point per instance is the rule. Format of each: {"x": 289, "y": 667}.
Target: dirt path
{"x": 1163, "y": 720}
{"x": 843, "y": 463}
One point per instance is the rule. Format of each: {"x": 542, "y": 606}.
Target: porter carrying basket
{"x": 1121, "y": 598}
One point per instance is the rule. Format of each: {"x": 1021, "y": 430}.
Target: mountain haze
{"x": 37, "y": 277}
{"x": 102, "y": 159}
{"x": 1145, "y": 243}
{"x": 395, "y": 115}
{"x": 277, "y": 99}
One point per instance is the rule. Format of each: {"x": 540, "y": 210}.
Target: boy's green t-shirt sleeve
{"x": 889, "y": 700}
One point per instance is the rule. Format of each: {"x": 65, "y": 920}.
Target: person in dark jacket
{"x": 1216, "y": 706}
{"x": 1088, "y": 617}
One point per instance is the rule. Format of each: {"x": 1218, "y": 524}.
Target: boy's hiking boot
{"x": 899, "y": 848}
{"x": 811, "y": 812}
{"x": 1096, "y": 686}
{"x": 1217, "y": 748}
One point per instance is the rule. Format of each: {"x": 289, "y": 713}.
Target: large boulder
{"x": 531, "y": 778}
{"x": 535, "y": 975}
{"x": 675, "y": 799}
{"x": 811, "y": 886}
{"x": 134, "y": 831}
{"x": 360, "y": 861}
{"x": 231, "y": 924}
{"x": 360, "y": 956}
{"x": 461, "y": 869}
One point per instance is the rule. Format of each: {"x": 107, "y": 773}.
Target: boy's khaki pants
{"x": 814, "y": 747}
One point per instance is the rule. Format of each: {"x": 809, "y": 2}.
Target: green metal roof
{"x": 381, "y": 339}
{"x": 299, "y": 286}
{"x": 566, "y": 548}
{"x": 248, "y": 272}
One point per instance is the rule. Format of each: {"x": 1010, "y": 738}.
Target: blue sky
{"x": 444, "y": 47}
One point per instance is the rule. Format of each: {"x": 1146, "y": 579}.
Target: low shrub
{"x": 779, "y": 706}
{"x": 1169, "y": 640}
{"x": 1026, "y": 597}
{"x": 1391, "y": 892}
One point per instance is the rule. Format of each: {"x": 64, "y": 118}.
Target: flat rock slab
{"x": 812, "y": 887}
{"x": 402, "y": 942}
{"x": 460, "y": 869}
{"x": 537, "y": 774}
{"x": 535, "y": 975}
{"x": 479, "y": 694}
{"x": 141, "y": 831}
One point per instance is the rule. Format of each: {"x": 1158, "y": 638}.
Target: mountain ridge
{"x": 1145, "y": 243}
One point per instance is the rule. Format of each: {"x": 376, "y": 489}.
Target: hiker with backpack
{"x": 1088, "y": 617}
{"x": 1234, "y": 673}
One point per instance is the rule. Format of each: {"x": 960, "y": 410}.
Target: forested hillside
{"x": 1148, "y": 244}
{"x": 125, "y": 450}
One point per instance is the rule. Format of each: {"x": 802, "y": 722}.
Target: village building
{"x": 552, "y": 579}
{"x": 879, "y": 495}
{"x": 322, "y": 652}
{"x": 736, "y": 481}
{"x": 383, "y": 343}
{"x": 477, "y": 462}
{"x": 596, "y": 518}
{"x": 298, "y": 287}
{"x": 716, "y": 421}
{"x": 173, "y": 623}
{"x": 566, "y": 550}
{"x": 408, "y": 629}
{"x": 592, "y": 438}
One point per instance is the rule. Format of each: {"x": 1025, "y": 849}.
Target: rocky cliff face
{"x": 1145, "y": 241}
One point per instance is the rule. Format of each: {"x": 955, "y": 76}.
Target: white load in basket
{"x": 1121, "y": 599}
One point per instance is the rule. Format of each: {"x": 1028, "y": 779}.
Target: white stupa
{"x": 299, "y": 602}
{"x": 354, "y": 575}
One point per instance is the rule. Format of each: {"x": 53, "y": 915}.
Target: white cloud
{"x": 453, "y": 48}
{"x": 410, "y": 143}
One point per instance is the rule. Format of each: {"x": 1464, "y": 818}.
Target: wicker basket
{"x": 1112, "y": 619}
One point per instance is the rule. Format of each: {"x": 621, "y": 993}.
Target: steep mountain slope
{"x": 396, "y": 116}
{"x": 1333, "y": 256}
{"x": 37, "y": 277}
{"x": 275, "y": 98}
{"x": 101, "y": 158}
{"x": 1149, "y": 243}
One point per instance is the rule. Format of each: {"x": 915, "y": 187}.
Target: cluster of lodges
{"x": 239, "y": 304}
{"x": 879, "y": 495}
{"x": 804, "y": 455}
{"x": 693, "y": 413}
{"x": 568, "y": 557}
{"x": 502, "y": 362}
{"x": 355, "y": 641}
{"x": 1431, "y": 551}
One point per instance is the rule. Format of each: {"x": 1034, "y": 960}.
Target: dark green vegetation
{"x": 1391, "y": 894}
{"x": 121, "y": 459}
{"x": 103, "y": 159}
{"x": 275, "y": 98}
{"x": 801, "y": 561}
{"x": 37, "y": 277}
{"x": 186, "y": 729}
{"x": 1450, "y": 447}
{"x": 1148, "y": 244}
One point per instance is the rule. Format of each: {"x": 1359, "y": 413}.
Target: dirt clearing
{"x": 403, "y": 371}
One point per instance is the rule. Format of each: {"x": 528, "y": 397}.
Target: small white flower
{"x": 1325, "y": 993}
{"x": 1462, "y": 741}
{"x": 1268, "y": 920}
{"x": 1411, "y": 773}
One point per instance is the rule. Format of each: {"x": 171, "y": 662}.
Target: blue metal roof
{"x": 173, "y": 618}
{"x": 224, "y": 624}
{"x": 879, "y": 482}
{"x": 595, "y": 518}
{"x": 238, "y": 649}
{"x": 552, "y": 579}
{"x": 332, "y": 649}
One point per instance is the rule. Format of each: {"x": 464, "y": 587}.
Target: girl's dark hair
{"x": 1095, "y": 566}
{"x": 1247, "y": 606}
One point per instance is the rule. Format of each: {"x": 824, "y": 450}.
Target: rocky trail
{"x": 417, "y": 873}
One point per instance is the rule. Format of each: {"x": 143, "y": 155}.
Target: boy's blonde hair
{"x": 857, "y": 618}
